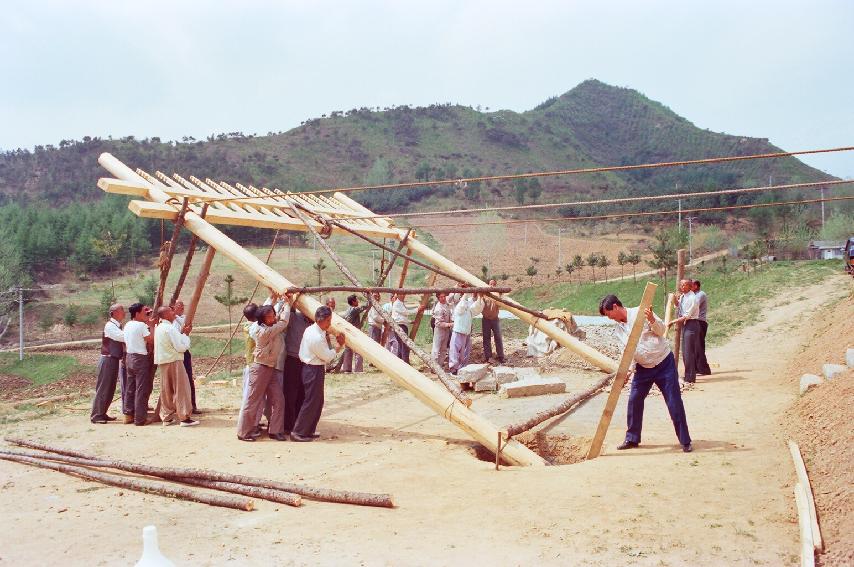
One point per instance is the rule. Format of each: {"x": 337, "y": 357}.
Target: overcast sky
{"x": 779, "y": 69}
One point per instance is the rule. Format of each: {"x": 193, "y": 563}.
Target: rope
{"x": 612, "y": 201}
{"x": 644, "y": 214}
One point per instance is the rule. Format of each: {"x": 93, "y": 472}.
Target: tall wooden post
{"x": 201, "y": 279}
{"x": 680, "y": 275}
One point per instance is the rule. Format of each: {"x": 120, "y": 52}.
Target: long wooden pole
{"x": 803, "y": 478}
{"x": 201, "y": 280}
{"x": 425, "y": 299}
{"x": 807, "y": 543}
{"x": 407, "y": 290}
{"x": 566, "y": 340}
{"x": 188, "y": 259}
{"x": 166, "y": 263}
{"x": 668, "y": 314}
{"x": 680, "y": 275}
{"x": 622, "y": 371}
{"x": 430, "y": 393}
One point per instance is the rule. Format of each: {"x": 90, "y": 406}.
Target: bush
{"x": 108, "y": 297}
{"x": 149, "y": 290}
{"x": 90, "y": 319}
{"x": 72, "y": 312}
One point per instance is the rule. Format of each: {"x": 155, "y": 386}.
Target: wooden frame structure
{"x": 264, "y": 208}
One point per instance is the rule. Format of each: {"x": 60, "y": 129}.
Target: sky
{"x": 781, "y": 69}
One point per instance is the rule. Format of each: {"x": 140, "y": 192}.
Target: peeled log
{"x": 138, "y": 485}
{"x": 324, "y": 494}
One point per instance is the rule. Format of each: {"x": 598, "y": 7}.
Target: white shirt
{"x": 400, "y": 313}
{"x": 169, "y": 343}
{"x": 113, "y": 330}
{"x": 135, "y": 333}
{"x": 464, "y": 312}
{"x": 652, "y": 347}
{"x": 374, "y": 317}
{"x": 314, "y": 348}
{"x": 689, "y": 307}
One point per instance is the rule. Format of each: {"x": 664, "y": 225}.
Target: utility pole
{"x": 559, "y": 256}
{"x": 822, "y": 208}
{"x": 20, "y": 323}
{"x": 690, "y": 243}
{"x": 526, "y": 235}
{"x": 680, "y": 209}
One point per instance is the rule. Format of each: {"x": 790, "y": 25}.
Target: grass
{"x": 735, "y": 298}
{"x": 40, "y": 368}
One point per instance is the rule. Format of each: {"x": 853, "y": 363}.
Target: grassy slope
{"x": 40, "y": 368}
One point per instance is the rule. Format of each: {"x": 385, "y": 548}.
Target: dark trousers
{"x": 123, "y": 386}
{"x": 402, "y": 347}
{"x": 690, "y": 348}
{"x": 294, "y": 393}
{"x": 105, "y": 387}
{"x": 313, "y": 377}
{"x": 665, "y": 376}
{"x": 702, "y": 362}
{"x": 139, "y": 382}
{"x": 492, "y": 328}
{"x": 188, "y": 366}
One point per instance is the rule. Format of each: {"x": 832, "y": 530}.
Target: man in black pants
{"x": 315, "y": 352}
{"x": 653, "y": 364}
{"x": 292, "y": 382}
{"x": 112, "y": 352}
{"x": 702, "y": 316}
{"x": 688, "y": 310}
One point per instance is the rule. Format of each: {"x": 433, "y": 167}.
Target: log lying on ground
{"x": 255, "y": 492}
{"x": 406, "y": 290}
{"x": 803, "y": 478}
{"x": 139, "y": 485}
{"x": 559, "y": 409}
{"x": 323, "y": 494}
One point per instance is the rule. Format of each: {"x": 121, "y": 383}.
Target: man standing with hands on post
{"x": 688, "y": 311}
{"x": 176, "y": 405}
{"x": 180, "y": 321}
{"x": 112, "y": 353}
{"x": 653, "y": 363}
{"x": 702, "y": 316}
{"x": 315, "y": 352}
{"x": 140, "y": 379}
{"x": 492, "y": 328}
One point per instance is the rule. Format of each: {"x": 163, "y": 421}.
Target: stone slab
{"x": 810, "y": 381}
{"x": 532, "y": 387}
{"x": 504, "y": 374}
{"x": 831, "y": 370}
{"x": 487, "y": 384}
{"x": 472, "y": 373}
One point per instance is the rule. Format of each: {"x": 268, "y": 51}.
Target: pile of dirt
{"x": 822, "y": 423}
{"x": 555, "y": 448}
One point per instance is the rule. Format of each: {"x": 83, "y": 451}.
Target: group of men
{"x": 691, "y": 310}
{"x": 134, "y": 351}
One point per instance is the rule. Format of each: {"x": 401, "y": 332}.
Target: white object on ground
{"x": 472, "y": 372}
{"x": 849, "y": 357}
{"x": 831, "y": 370}
{"x": 808, "y": 381}
{"x": 532, "y": 387}
{"x": 487, "y": 384}
{"x": 151, "y": 556}
{"x": 504, "y": 374}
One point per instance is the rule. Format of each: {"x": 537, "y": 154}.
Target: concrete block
{"x": 473, "y": 373}
{"x": 504, "y": 374}
{"x": 487, "y": 384}
{"x": 849, "y": 357}
{"x": 809, "y": 381}
{"x": 831, "y": 370}
{"x": 527, "y": 372}
{"x": 532, "y": 387}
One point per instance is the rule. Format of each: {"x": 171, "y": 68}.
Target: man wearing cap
{"x": 112, "y": 353}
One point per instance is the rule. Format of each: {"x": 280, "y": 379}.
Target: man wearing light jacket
{"x": 468, "y": 307}
{"x": 170, "y": 344}
{"x": 442, "y": 327}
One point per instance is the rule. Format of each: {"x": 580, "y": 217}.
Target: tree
{"x": 504, "y": 277}
{"x": 663, "y": 254}
{"x": 622, "y": 260}
{"x": 531, "y": 271}
{"x": 229, "y": 300}
{"x": 604, "y": 262}
{"x": 521, "y": 188}
{"x": 569, "y": 269}
{"x": 109, "y": 246}
{"x": 148, "y": 291}
{"x": 108, "y": 297}
{"x": 485, "y": 272}
{"x": 319, "y": 267}
{"x": 72, "y": 313}
{"x": 535, "y": 189}
{"x": 634, "y": 260}
{"x": 558, "y": 272}
{"x": 593, "y": 261}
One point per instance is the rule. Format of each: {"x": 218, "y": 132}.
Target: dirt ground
{"x": 728, "y": 503}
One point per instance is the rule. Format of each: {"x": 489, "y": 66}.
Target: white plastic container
{"x": 151, "y": 556}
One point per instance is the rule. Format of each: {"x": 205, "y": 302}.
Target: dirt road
{"x": 728, "y": 503}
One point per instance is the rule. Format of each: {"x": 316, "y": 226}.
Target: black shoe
{"x": 687, "y": 448}
{"x": 255, "y": 432}
{"x": 502, "y": 361}
{"x": 197, "y": 411}
{"x": 300, "y": 439}
{"x": 109, "y": 418}
{"x": 627, "y": 445}
{"x": 278, "y": 436}
{"x": 98, "y": 420}
{"x": 247, "y": 439}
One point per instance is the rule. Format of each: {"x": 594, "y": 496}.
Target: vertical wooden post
{"x": 403, "y": 272}
{"x": 425, "y": 299}
{"x": 668, "y": 313}
{"x": 680, "y": 275}
{"x": 622, "y": 372}
{"x": 166, "y": 263}
{"x": 201, "y": 279}
{"x": 191, "y": 250}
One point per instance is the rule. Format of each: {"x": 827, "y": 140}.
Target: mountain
{"x": 592, "y": 124}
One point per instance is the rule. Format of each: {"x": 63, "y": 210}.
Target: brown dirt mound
{"x": 556, "y": 449}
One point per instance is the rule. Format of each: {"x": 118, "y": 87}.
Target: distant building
{"x": 826, "y": 249}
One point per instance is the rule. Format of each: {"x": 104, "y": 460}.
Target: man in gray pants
{"x": 703, "y": 306}
{"x": 492, "y": 328}
{"x": 315, "y": 353}
{"x": 688, "y": 310}
{"x": 112, "y": 352}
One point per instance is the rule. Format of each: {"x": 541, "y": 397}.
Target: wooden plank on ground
{"x": 803, "y": 478}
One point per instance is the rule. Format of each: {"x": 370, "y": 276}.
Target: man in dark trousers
{"x": 702, "y": 317}
{"x": 292, "y": 382}
{"x": 315, "y": 352}
{"x": 653, "y": 364}
{"x": 139, "y": 346}
{"x": 491, "y": 326}
{"x": 112, "y": 353}
{"x": 687, "y": 311}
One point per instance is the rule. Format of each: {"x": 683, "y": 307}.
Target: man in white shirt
{"x": 375, "y": 321}
{"x": 468, "y": 307}
{"x": 315, "y": 353}
{"x": 688, "y": 312}
{"x": 180, "y": 320}
{"x": 400, "y": 314}
{"x": 140, "y": 379}
{"x": 653, "y": 364}
{"x": 702, "y": 315}
{"x": 176, "y": 406}
{"x": 112, "y": 352}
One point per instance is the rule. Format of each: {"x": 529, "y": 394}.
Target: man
{"x": 140, "y": 379}
{"x": 442, "y": 326}
{"x": 465, "y": 311}
{"x": 687, "y": 311}
{"x": 653, "y": 364}
{"x": 170, "y": 344}
{"x": 703, "y": 308}
{"x": 400, "y": 314}
{"x": 353, "y": 315}
{"x": 375, "y": 321}
{"x": 112, "y": 352}
{"x": 250, "y": 313}
{"x": 492, "y": 327}
{"x": 180, "y": 320}
{"x": 315, "y": 353}
{"x": 292, "y": 380}
{"x": 330, "y": 303}
{"x": 265, "y": 378}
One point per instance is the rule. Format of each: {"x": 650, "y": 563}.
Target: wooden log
{"x": 680, "y": 275}
{"x": 565, "y": 339}
{"x": 407, "y": 290}
{"x": 559, "y": 409}
{"x": 430, "y": 393}
{"x": 452, "y": 385}
{"x": 201, "y": 280}
{"x": 278, "y": 496}
{"x": 807, "y": 543}
{"x": 403, "y": 273}
{"x": 139, "y": 485}
{"x": 622, "y": 372}
{"x": 188, "y": 259}
{"x": 668, "y": 314}
{"x": 803, "y": 478}
{"x": 425, "y": 300}
{"x": 323, "y": 494}
{"x": 166, "y": 263}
